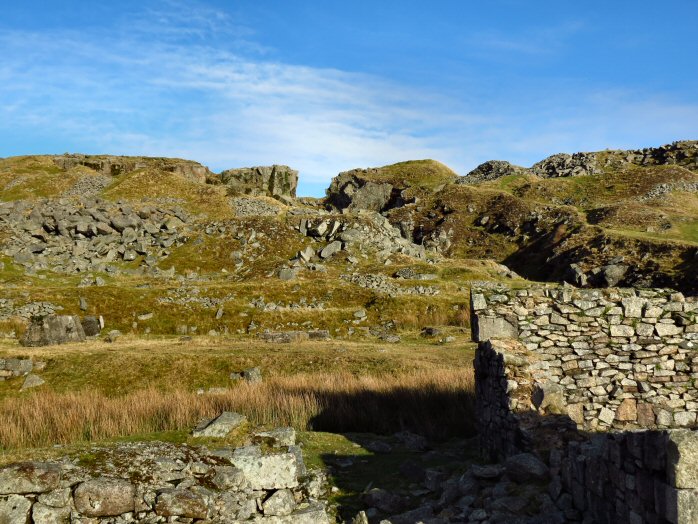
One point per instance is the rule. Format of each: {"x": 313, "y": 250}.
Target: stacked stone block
{"x": 153, "y": 483}
{"x": 502, "y": 397}
{"x": 623, "y": 358}
{"x": 601, "y": 385}
{"x": 634, "y": 477}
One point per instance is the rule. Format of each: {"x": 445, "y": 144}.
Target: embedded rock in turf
{"x": 220, "y": 426}
{"x": 154, "y": 482}
{"x": 53, "y": 329}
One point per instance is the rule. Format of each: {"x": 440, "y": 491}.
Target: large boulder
{"x": 276, "y": 181}
{"x": 491, "y": 170}
{"x": 103, "y": 497}
{"x": 111, "y": 165}
{"x": 276, "y": 471}
{"x": 29, "y": 477}
{"x": 526, "y": 467}
{"x": 53, "y": 329}
{"x": 220, "y": 426}
{"x": 15, "y": 509}
{"x": 353, "y": 190}
{"x": 92, "y": 326}
{"x": 32, "y": 381}
{"x": 613, "y": 273}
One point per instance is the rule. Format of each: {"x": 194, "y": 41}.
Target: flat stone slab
{"x": 29, "y": 477}
{"x": 103, "y": 497}
{"x": 220, "y": 426}
{"x": 278, "y": 436}
{"x": 268, "y": 471}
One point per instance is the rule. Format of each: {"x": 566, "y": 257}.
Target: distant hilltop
{"x": 281, "y": 181}
{"x": 599, "y": 219}
{"x": 278, "y": 181}
{"x": 682, "y": 153}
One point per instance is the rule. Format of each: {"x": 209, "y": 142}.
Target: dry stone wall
{"x": 618, "y": 358}
{"x": 599, "y": 384}
{"x": 153, "y": 483}
{"x": 637, "y": 476}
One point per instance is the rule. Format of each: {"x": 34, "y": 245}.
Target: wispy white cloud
{"x": 212, "y": 104}
{"x": 198, "y": 87}
{"x": 536, "y": 41}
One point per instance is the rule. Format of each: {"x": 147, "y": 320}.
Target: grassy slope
{"x": 154, "y": 185}
{"x": 166, "y": 363}
{"x": 428, "y": 174}
{"x": 611, "y": 201}
{"x": 99, "y": 394}
{"x": 31, "y": 177}
{"x": 123, "y": 298}
{"x": 417, "y": 178}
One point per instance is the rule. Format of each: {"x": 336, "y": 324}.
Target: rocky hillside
{"x": 346, "y": 302}
{"x": 83, "y": 175}
{"x": 165, "y": 245}
{"x": 592, "y": 219}
{"x": 580, "y": 164}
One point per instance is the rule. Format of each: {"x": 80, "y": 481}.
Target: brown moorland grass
{"x": 168, "y": 364}
{"x": 436, "y": 403}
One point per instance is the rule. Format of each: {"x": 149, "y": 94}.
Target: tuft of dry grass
{"x": 437, "y": 404}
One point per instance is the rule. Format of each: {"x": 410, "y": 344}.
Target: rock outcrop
{"x": 683, "y": 153}
{"x": 565, "y": 165}
{"x": 393, "y": 186}
{"x": 491, "y": 170}
{"x": 352, "y": 190}
{"x": 276, "y": 181}
{"x": 110, "y": 165}
{"x": 53, "y": 329}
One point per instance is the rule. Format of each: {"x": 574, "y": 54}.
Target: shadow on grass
{"x": 373, "y": 455}
{"x": 437, "y": 413}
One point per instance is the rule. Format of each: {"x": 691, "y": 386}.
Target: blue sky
{"x": 329, "y": 86}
